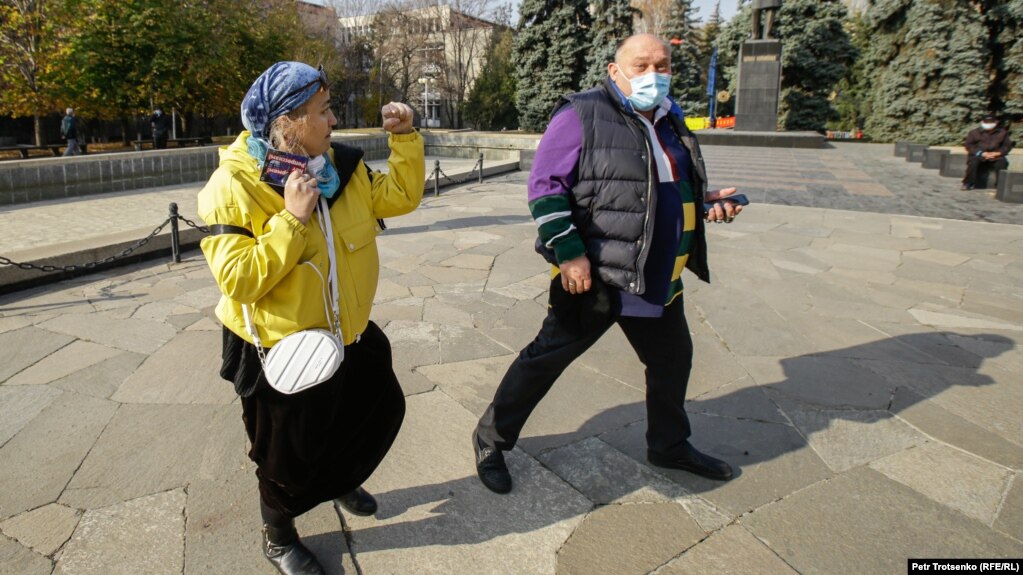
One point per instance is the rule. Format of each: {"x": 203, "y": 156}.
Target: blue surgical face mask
{"x": 648, "y": 90}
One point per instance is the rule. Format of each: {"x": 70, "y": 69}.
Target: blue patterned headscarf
{"x": 276, "y": 92}
{"x": 273, "y": 95}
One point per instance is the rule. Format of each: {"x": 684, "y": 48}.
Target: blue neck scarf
{"x": 327, "y": 178}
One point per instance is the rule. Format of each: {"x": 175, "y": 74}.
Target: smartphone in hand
{"x": 739, "y": 199}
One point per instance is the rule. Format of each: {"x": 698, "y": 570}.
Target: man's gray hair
{"x": 69, "y": 111}
{"x": 618, "y": 50}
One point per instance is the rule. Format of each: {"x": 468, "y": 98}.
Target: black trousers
{"x": 663, "y": 344}
{"x": 974, "y": 163}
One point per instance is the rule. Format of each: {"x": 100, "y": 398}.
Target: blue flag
{"x": 712, "y": 72}
{"x": 710, "y": 83}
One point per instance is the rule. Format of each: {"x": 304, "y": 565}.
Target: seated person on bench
{"x": 987, "y": 145}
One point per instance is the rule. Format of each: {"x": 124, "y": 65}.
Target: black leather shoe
{"x": 357, "y": 502}
{"x": 966, "y": 187}
{"x": 291, "y": 558}
{"x": 490, "y": 466}
{"x": 693, "y": 461}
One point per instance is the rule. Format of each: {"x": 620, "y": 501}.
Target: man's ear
{"x": 612, "y": 70}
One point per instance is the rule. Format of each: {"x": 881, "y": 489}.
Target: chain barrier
{"x": 477, "y": 169}
{"x": 172, "y": 219}
{"x": 91, "y": 265}
{"x": 192, "y": 224}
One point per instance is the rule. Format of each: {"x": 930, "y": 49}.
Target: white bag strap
{"x": 335, "y": 292}
{"x": 330, "y": 287}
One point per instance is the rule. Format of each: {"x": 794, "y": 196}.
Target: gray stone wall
{"x": 493, "y": 145}
{"x": 39, "y": 179}
{"x": 33, "y": 180}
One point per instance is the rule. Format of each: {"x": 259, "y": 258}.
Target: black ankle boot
{"x": 357, "y": 502}
{"x": 284, "y": 549}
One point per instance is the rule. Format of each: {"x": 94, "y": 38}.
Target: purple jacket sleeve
{"x": 554, "y": 174}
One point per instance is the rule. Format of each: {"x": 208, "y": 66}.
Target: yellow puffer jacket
{"x": 264, "y": 271}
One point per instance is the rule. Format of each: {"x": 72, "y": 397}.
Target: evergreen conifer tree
{"x": 928, "y": 72}
{"x": 729, "y": 40}
{"x": 708, "y": 39}
{"x": 687, "y": 84}
{"x": 1005, "y": 22}
{"x": 612, "y": 23}
{"x": 550, "y": 55}
{"x": 852, "y": 91}
{"x": 491, "y": 104}
{"x": 816, "y": 54}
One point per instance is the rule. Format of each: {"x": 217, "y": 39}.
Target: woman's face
{"x": 319, "y": 123}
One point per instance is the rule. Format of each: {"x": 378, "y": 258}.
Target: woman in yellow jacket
{"x": 268, "y": 251}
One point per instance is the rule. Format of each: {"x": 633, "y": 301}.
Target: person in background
{"x": 69, "y": 132}
{"x": 986, "y": 146}
{"x": 268, "y": 250}
{"x": 160, "y": 124}
{"x": 617, "y": 191}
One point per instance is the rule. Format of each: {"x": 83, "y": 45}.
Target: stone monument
{"x": 759, "y": 83}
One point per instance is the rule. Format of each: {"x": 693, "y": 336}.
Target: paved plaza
{"x": 857, "y": 361}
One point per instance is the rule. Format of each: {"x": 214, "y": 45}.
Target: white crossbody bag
{"x": 308, "y": 357}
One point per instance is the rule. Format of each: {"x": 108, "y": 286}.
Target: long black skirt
{"x": 321, "y": 443}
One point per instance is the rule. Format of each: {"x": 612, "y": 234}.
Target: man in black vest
{"x": 617, "y": 191}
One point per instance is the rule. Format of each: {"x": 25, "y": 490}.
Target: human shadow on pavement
{"x": 742, "y": 422}
{"x": 461, "y": 223}
{"x": 868, "y": 384}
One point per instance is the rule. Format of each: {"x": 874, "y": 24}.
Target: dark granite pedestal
{"x": 762, "y": 139}
{"x": 756, "y": 105}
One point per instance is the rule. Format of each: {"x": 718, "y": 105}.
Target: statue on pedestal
{"x": 759, "y": 81}
{"x": 764, "y": 12}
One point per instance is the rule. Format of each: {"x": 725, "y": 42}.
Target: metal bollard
{"x": 436, "y": 178}
{"x": 480, "y": 180}
{"x": 175, "y": 243}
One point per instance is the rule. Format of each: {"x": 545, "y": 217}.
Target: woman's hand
{"x": 722, "y": 211}
{"x": 397, "y": 118}
{"x": 301, "y": 195}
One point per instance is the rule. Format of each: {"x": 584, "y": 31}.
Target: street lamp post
{"x": 425, "y": 81}
{"x": 427, "y": 69}
{"x": 426, "y": 102}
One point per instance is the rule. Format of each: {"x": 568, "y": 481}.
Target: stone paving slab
{"x": 44, "y": 529}
{"x": 151, "y": 448}
{"x": 629, "y": 538}
{"x": 436, "y": 517}
{"x": 16, "y": 559}
{"x": 47, "y": 452}
{"x": 731, "y": 551}
{"x": 966, "y": 483}
{"x": 873, "y": 524}
{"x": 139, "y": 536}
{"x": 40, "y": 344}
{"x": 855, "y": 391}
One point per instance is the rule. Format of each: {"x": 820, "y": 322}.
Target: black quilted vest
{"x": 615, "y": 197}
